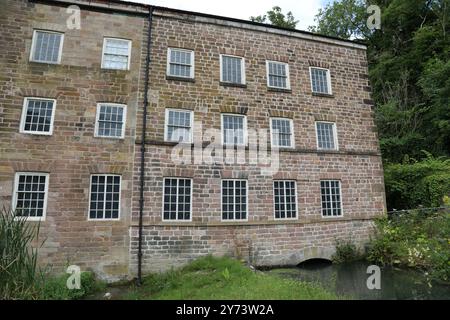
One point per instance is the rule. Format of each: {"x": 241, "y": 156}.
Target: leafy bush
{"x": 413, "y": 184}
{"x": 415, "y": 238}
{"x": 346, "y": 251}
{"x": 18, "y": 260}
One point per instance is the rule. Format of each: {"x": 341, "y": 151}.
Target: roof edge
{"x": 142, "y": 9}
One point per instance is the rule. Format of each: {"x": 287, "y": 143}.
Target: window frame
{"x": 291, "y": 123}
{"x": 33, "y": 46}
{"x": 15, "y": 191}
{"x": 24, "y": 116}
{"x": 296, "y": 199}
{"x": 106, "y": 175}
{"x": 191, "y": 213}
{"x": 288, "y": 77}
{"x": 330, "y": 89}
{"x": 245, "y": 131}
{"x": 103, "y": 53}
{"x": 340, "y": 197}
{"x": 192, "y": 65}
{"x": 97, "y": 116}
{"x": 166, "y": 125}
{"x": 234, "y": 203}
{"x": 243, "y": 78}
{"x": 335, "y": 137}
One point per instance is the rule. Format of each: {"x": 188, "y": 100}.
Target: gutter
{"x": 144, "y": 131}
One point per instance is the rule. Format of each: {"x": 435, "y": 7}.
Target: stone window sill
{"x": 180, "y": 79}
{"x": 236, "y": 85}
{"x": 325, "y": 95}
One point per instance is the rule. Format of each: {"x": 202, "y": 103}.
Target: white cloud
{"x": 303, "y": 10}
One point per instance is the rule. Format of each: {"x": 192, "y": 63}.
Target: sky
{"x": 303, "y": 10}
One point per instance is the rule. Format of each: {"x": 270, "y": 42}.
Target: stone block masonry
{"x": 72, "y": 153}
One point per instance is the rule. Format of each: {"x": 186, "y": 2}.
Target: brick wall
{"x": 72, "y": 153}
{"x": 357, "y": 163}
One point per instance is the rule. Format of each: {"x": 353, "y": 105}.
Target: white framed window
{"x": 116, "y": 54}
{"x": 110, "y": 120}
{"x": 320, "y": 80}
{"x": 278, "y": 75}
{"x": 326, "y": 134}
{"x": 177, "y": 199}
{"x": 30, "y": 195}
{"x": 180, "y": 63}
{"x": 330, "y": 191}
{"x": 234, "y": 129}
{"x": 179, "y": 125}
{"x": 38, "y": 115}
{"x": 282, "y": 132}
{"x": 46, "y": 46}
{"x": 232, "y": 69}
{"x": 104, "y": 197}
{"x": 285, "y": 199}
{"x": 234, "y": 200}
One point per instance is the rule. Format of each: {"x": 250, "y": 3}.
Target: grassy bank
{"x": 223, "y": 278}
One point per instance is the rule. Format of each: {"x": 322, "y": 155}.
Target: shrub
{"x": 413, "y": 184}
{"x": 346, "y": 251}
{"x": 415, "y": 238}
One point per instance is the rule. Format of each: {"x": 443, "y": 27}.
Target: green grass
{"x": 211, "y": 278}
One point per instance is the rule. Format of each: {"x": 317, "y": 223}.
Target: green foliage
{"x": 277, "y": 18}
{"x": 344, "y": 19}
{"x": 346, "y": 251}
{"x": 18, "y": 267}
{"x": 417, "y": 183}
{"x": 416, "y": 238}
{"x": 224, "y": 279}
{"x": 55, "y": 288}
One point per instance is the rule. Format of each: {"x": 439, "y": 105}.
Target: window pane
{"x": 234, "y": 199}
{"x": 281, "y": 132}
{"x": 177, "y": 199}
{"x": 178, "y": 125}
{"x": 319, "y": 80}
{"x": 110, "y": 121}
{"x": 233, "y": 130}
{"x": 277, "y": 74}
{"x": 30, "y": 195}
{"x": 325, "y": 135}
{"x": 285, "y": 199}
{"x": 331, "y": 197}
{"x": 180, "y": 63}
{"x": 232, "y": 69}
{"x": 46, "y": 46}
{"x": 115, "y": 55}
{"x": 38, "y": 117}
{"x": 105, "y": 197}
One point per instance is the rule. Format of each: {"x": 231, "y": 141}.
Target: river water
{"x": 350, "y": 280}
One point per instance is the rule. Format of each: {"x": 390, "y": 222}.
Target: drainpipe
{"x": 144, "y": 131}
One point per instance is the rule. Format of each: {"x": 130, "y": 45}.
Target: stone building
{"x": 76, "y": 86}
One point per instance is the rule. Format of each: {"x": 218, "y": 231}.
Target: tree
{"x": 277, "y": 18}
{"x": 344, "y": 19}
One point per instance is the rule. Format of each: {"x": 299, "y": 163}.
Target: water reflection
{"x": 350, "y": 280}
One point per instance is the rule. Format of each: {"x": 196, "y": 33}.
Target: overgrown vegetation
{"x": 223, "y": 278}
{"x": 20, "y": 276}
{"x": 346, "y": 251}
{"x": 417, "y": 183}
{"x": 18, "y": 261}
{"x": 416, "y": 238}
